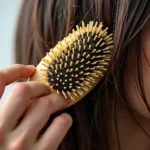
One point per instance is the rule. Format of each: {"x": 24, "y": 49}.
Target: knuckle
{"x": 1, "y": 74}
{"x": 21, "y": 88}
{"x": 1, "y": 127}
{"x": 18, "y": 144}
{"x": 2, "y": 132}
{"x": 41, "y": 147}
{"x": 17, "y": 66}
{"x": 63, "y": 121}
{"x": 46, "y": 102}
{"x": 59, "y": 100}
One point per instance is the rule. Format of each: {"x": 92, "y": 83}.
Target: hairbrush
{"x": 77, "y": 63}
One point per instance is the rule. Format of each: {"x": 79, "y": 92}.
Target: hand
{"x": 23, "y": 136}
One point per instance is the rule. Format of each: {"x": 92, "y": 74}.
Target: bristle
{"x": 60, "y": 66}
{"x": 90, "y": 47}
{"x": 56, "y": 66}
{"x": 87, "y": 33}
{"x": 75, "y": 94}
{"x": 71, "y": 70}
{"x": 87, "y": 73}
{"x": 73, "y": 66}
{"x": 52, "y": 79}
{"x": 79, "y": 92}
{"x": 77, "y": 82}
{"x": 78, "y": 55}
{"x": 83, "y": 25}
{"x": 81, "y": 84}
{"x": 49, "y": 56}
{"x": 67, "y": 70}
{"x": 57, "y": 91}
{"x": 45, "y": 65}
{"x": 55, "y": 71}
{"x": 98, "y": 51}
{"x": 72, "y": 56}
{"x": 84, "y": 54}
{"x": 87, "y": 68}
{"x": 61, "y": 61}
{"x": 81, "y": 72}
{"x": 78, "y": 42}
{"x": 81, "y": 66}
{"x": 46, "y": 61}
{"x": 84, "y": 47}
{"x": 70, "y": 80}
{"x": 57, "y": 59}
{"x": 66, "y": 58}
{"x": 97, "y": 44}
{"x": 70, "y": 95}
{"x": 76, "y": 69}
{"x": 45, "y": 70}
{"x": 73, "y": 51}
{"x": 111, "y": 42}
{"x": 64, "y": 94}
{"x": 77, "y": 62}
{"x": 87, "y": 62}
{"x": 93, "y": 81}
{"x": 87, "y": 83}
{"x": 85, "y": 88}
{"x": 94, "y": 74}
{"x": 79, "y": 48}
{"x": 76, "y": 75}
{"x": 106, "y": 48}
{"x": 95, "y": 37}
{"x": 88, "y": 55}
{"x": 71, "y": 63}
{"x": 52, "y": 55}
{"x": 106, "y": 52}
{"x": 94, "y": 63}
{"x": 78, "y": 87}
{"x": 65, "y": 65}
{"x": 88, "y": 39}
{"x": 94, "y": 51}
{"x": 99, "y": 28}
{"x": 82, "y": 60}
{"x": 102, "y": 44}
{"x": 84, "y": 41}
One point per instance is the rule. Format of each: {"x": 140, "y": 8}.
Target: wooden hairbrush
{"x": 77, "y": 63}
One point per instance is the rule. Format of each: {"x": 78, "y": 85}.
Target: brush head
{"x": 77, "y": 63}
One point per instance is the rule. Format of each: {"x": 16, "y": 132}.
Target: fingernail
{"x": 30, "y": 66}
{"x": 67, "y": 117}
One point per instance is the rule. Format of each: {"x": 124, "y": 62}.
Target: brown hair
{"x": 43, "y": 23}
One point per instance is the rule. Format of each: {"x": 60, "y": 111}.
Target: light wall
{"x": 9, "y": 10}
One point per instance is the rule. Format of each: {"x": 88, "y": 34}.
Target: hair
{"x": 43, "y": 23}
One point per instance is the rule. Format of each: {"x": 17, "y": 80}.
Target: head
{"x": 43, "y": 23}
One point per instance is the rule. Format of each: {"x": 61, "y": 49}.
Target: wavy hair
{"x": 42, "y": 23}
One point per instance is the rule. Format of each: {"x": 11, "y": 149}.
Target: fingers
{"x": 40, "y": 113}
{"x": 55, "y": 133}
{"x": 11, "y": 74}
{"x": 16, "y": 102}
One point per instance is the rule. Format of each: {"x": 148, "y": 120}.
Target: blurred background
{"x": 9, "y": 11}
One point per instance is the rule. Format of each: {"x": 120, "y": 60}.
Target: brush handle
{"x": 37, "y": 76}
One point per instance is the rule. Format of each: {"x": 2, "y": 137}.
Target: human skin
{"x": 131, "y": 135}
{"x": 131, "y": 91}
{"x": 24, "y": 135}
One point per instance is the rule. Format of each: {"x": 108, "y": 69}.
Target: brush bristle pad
{"x": 79, "y": 61}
